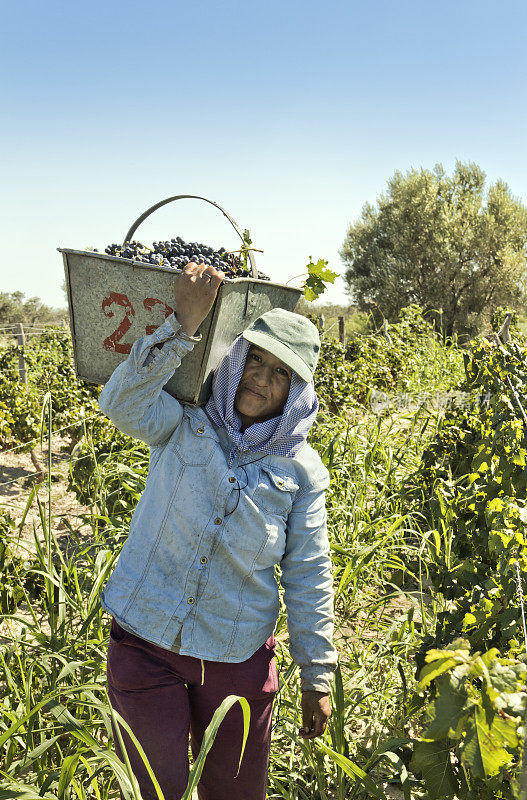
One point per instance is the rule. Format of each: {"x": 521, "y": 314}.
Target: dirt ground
{"x": 18, "y": 473}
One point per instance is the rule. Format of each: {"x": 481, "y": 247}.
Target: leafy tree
{"x": 14, "y": 308}
{"x": 440, "y": 242}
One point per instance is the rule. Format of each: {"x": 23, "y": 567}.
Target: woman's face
{"x": 263, "y": 388}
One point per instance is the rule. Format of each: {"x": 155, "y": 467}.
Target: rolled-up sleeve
{"x": 308, "y": 591}
{"x": 133, "y": 397}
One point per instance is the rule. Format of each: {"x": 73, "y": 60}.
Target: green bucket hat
{"x": 290, "y": 337}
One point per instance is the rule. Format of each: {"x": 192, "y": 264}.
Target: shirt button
{"x": 232, "y": 479}
{"x": 218, "y": 521}
{"x": 201, "y": 430}
{"x": 203, "y": 559}
{"x": 190, "y": 601}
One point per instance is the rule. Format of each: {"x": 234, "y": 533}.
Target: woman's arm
{"x": 308, "y": 591}
{"x": 133, "y": 398}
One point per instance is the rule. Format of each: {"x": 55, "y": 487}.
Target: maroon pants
{"x": 164, "y": 696}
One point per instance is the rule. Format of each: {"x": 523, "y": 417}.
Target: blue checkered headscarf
{"x": 282, "y": 435}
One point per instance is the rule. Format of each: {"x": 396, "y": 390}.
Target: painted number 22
{"x": 113, "y": 341}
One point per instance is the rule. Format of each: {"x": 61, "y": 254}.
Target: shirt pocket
{"x": 274, "y": 492}
{"x": 193, "y": 444}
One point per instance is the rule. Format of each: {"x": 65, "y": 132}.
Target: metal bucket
{"x": 114, "y": 301}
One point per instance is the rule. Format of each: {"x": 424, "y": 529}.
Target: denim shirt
{"x": 197, "y": 571}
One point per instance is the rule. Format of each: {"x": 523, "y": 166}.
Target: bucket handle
{"x": 135, "y": 225}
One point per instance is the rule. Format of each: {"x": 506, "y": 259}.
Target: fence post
{"x": 21, "y": 340}
{"x": 342, "y": 332}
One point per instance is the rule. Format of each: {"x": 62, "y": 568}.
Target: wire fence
{"x": 35, "y": 331}
{"x": 30, "y": 475}
{"x": 19, "y": 331}
{"x": 53, "y": 433}
{"x": 41, "y": 472}
{"x": 78, "y": 422}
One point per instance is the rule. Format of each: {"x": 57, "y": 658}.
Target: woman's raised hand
{"x": 195, "y": 290}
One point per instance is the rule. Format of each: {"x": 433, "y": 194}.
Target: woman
{"x": 233, "y": 489}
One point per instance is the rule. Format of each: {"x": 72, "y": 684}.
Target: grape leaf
{"x": 313, "y": 287}
{"x": 309, "y": 293}
{"x": 438, "y": 666}
{"x": 319, "y": 269}
{"x": 318, "y": 276}
{"x": 432, "y": 761}
{"x": 448, "y": 708}
{"x": 482, "y": 751}
{"x": 502, "y": 676}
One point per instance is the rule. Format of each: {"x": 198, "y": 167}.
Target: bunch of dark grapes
{"x": 177, "y": 253}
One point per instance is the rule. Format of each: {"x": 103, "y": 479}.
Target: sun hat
{"x": 290, "y": 337}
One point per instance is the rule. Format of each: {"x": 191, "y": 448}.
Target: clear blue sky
{"x": 291, "y": 115}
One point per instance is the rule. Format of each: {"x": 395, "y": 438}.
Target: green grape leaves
{"x": 432, "y": 761}
{"x": 482, "y": 749}
{"x": 474, "y": 717}
{"x": 315, "y": 284}
{"x": 449, "y": 706}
